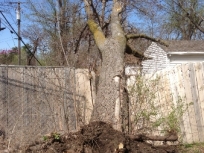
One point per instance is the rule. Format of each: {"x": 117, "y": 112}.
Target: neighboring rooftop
{"x": 184, "y": 46}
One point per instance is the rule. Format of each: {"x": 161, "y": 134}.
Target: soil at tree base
{"x": 97, "y": 137}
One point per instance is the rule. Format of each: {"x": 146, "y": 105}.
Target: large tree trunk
{"x": 109, "y": 97}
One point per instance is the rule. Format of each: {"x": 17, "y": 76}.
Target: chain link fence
{"x": 35, "y": 101}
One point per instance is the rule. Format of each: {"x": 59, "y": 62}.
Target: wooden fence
{"x": 39, "y": 100}
{"x": 181, "y": 84}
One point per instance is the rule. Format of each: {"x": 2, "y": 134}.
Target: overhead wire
{"x": 14, "y": 22}
{"x": 7, "y": 26}
{"x": 13, "y": 40}
{"x": 30, "y": 52}
{"x": 11, "y": 16}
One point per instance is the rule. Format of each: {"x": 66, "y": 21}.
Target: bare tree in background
{"x": 194, "y": 12}
{"x": 185, "y": 19}
{"x": 36, "y": 37}
{"x": 63, "y": 24}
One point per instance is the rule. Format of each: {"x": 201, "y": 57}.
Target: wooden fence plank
{"x": 65, "y": 97}
{"x": 188, "y": 98}
{"x": 83, "y": 88}
{"x": 195, "y": 100}
{"x": 160, "y": 88}
{"x": 4, "y": 98}
{"x": 167, "y": 91}
{"x": 155, "y": 88}
{"x": 62, "y": 118}
{"x": 174, "y": 82}
{"x": 70, "y": 99}
{"x": 180, "y": 95}
{"x": 199, "y": 97}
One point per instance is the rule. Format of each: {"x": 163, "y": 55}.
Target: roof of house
{"x": 184, "y": 46}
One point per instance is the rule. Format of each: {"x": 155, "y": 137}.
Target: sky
{"x": 7, "y": 39}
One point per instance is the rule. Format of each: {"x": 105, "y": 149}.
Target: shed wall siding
{"x": 159, "y": 59}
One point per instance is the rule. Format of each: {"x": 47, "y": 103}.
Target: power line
{"x": 1, "y": 28}
{"x": 7, "y": 27}
{"x": 20, "y": 38}
{"x": 12, "y": 18}
{"x": 11, "y": 32}
{"x": 13, "y": 40}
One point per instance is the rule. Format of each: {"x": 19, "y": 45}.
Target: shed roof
{"x": 184, "y": 46}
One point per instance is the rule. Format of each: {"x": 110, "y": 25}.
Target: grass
{"x": 192, "y": 148}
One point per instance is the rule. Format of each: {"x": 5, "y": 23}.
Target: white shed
{"x": 178, "y": 52}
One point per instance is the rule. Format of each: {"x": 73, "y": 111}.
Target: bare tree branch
{"x": 95, "y": 29}
{"x": 79, "y": 39}
{"x": 89, "y": 12}
{"x": 136, "y": 36}
{"x": 30, "y": 57}
{"x": 95, "y": 13}
{"x": 192, "y": 18}
{"x": 116, "y": 28}
{"x": 130, "y": 50}
{"x": 197, "y": 25}
{"x": 103, "y": 11}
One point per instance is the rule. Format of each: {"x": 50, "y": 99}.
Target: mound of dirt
{"x": 97, "y": 137}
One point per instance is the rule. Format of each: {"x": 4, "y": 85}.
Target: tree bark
{"x": 108, "y": 94}
{"x": 108, "y": 99}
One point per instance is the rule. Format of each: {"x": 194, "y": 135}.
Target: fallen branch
{"x": 142, "y": 137}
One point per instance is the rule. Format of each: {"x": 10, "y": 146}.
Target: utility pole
{"x": 18, "y": 17}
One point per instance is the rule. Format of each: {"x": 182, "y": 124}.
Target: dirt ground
{"x": 97, "y": 137}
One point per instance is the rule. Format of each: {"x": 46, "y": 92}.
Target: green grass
{"x": 192, "y": 148}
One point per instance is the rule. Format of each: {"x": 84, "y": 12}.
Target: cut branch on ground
{"x": 143, "y": 137}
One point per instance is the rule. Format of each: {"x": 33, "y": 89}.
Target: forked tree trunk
{"x": 108, "y": 97}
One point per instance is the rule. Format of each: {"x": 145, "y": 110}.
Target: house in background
{"x": 178, "y": 52}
